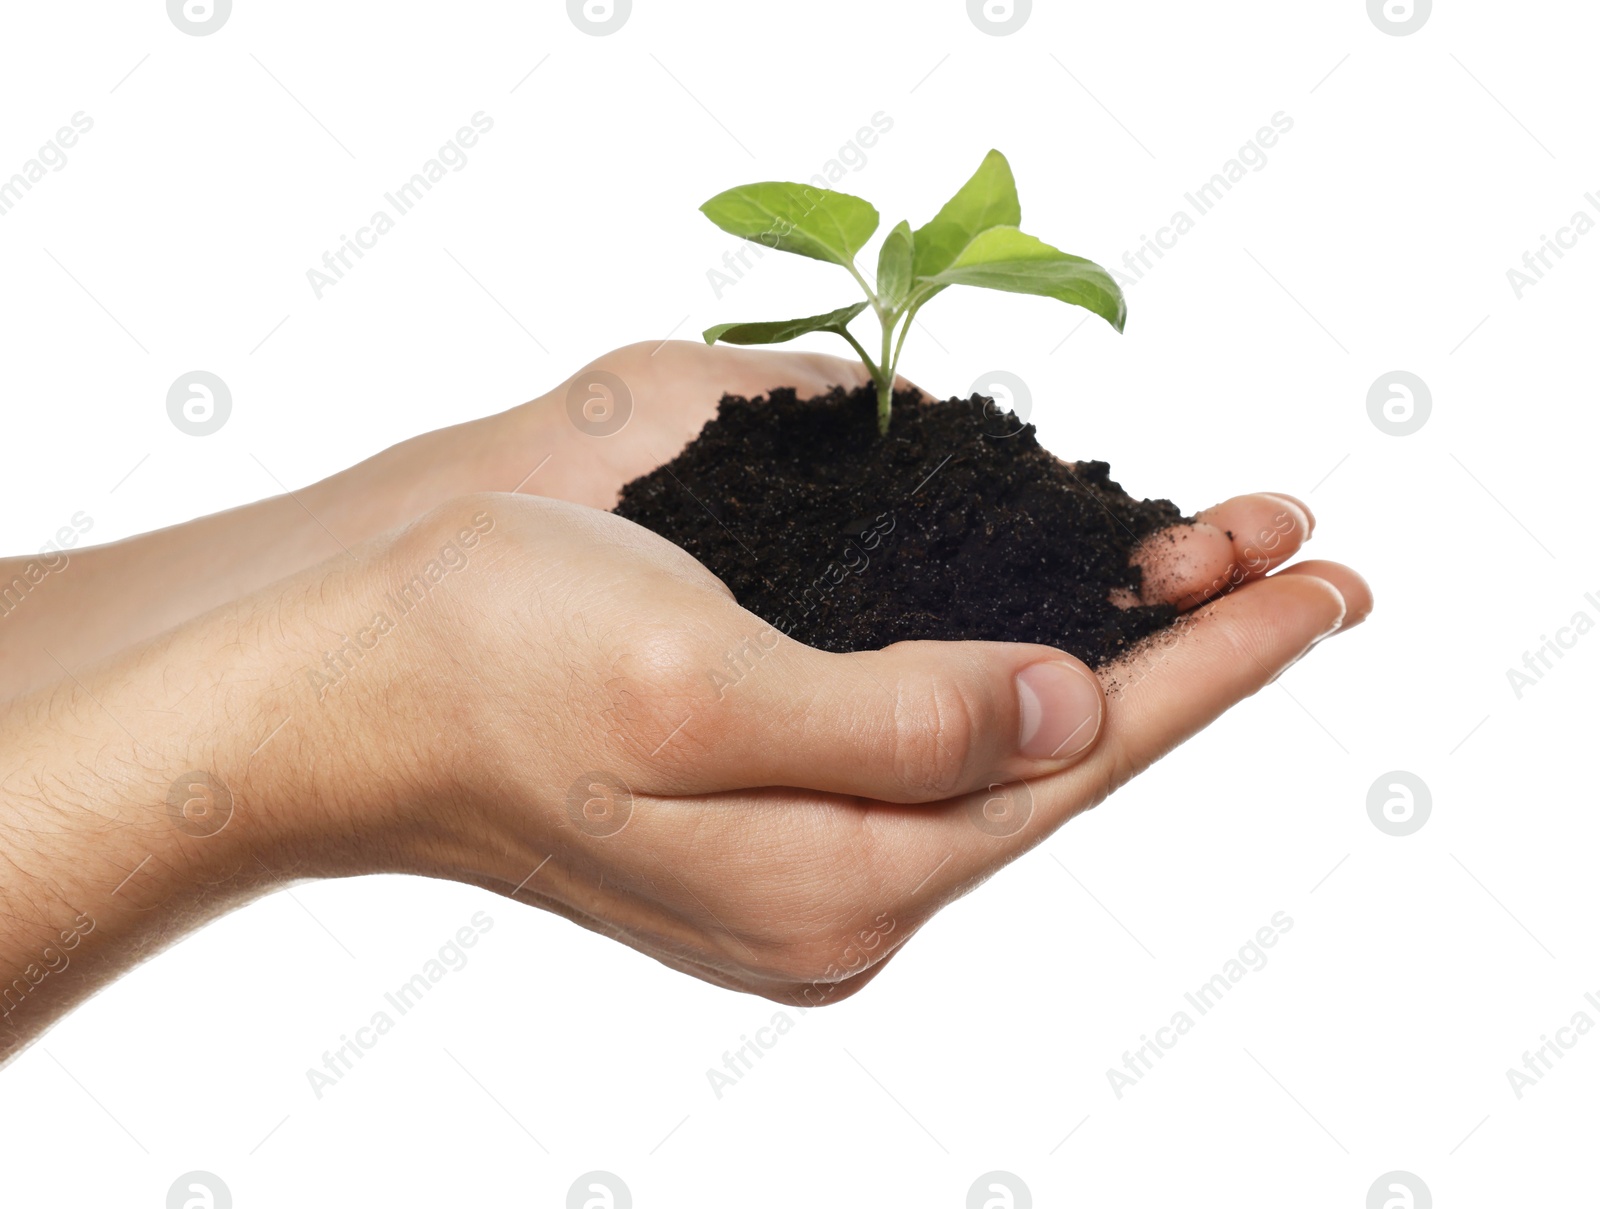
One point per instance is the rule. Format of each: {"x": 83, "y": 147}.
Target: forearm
{"x": 69, "y": 608}
{"x": 98, "y": 869}
{"x": 158, "y": 789}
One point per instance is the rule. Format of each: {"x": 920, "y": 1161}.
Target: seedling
{"x": 974, "y": 240}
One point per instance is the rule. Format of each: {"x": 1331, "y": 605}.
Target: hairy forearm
{"x": 157, "y": 789}
{"x": 61, "y": 610}
{"x": 99, "y": 868}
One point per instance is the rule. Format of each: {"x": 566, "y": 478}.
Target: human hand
{"x": 586, "y": 720}
{"x": 551, "y": 702}
{"x": 635, "y": 408}
{"x": 121, "y": 593}
{"x": 668, "y": 390}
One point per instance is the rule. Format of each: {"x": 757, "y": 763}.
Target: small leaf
{"x": 988, "y": 199}
{"x": 778, "y": 331}
{"x": 894, "y": 267}
{"x": 1003, "y": 258}
{"x": 803, "y": 219}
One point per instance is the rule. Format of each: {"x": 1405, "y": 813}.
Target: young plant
{"x": 974, "y": 240}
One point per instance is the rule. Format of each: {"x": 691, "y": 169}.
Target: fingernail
{"x": 1334, "y": 626}
{"x": 1337, "y": 623}
{"x": 1301, "y": 513}
{"x": 1061, "y": 707}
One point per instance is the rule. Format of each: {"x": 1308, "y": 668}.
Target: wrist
{"x": 408, "y": 480}
{"x": 359, "y": 692}
{"x": 406, "y": 727}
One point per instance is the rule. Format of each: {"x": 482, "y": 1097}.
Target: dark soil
{"x": 958, "y": 525}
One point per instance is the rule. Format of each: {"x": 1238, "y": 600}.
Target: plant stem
{"x": 894, "y": 362}
{"x": 872, "y": 294}
{"x": 885, "y": 379}
{"x": 866, "y": 358}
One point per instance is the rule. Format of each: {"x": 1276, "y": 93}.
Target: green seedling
{"x": 974, "y": 240}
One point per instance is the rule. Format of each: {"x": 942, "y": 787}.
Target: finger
{"x": 1161, "y": 696}
{"x": 1266, "y": 529}
{"x": 1225, "y": 547}
{"x": 915, "y": 722}
{"x": 1356, "y": 591}
{"x": 1219, "y": 655}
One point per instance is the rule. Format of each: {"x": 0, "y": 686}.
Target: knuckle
{"x": 663, "y": 656}
{"x": 656, "y": 683}
{"x": 1123, "y": 764}
{"x": 935, "y": 727}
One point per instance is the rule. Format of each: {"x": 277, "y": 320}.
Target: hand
{"x": 606, "y": 733}
{"x": 121, "y": 593}
{"x": 551, "y": 702}
{"x": 671, "y": 389}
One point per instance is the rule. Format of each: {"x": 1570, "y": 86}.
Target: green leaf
{"x": 894, "y": 267}
{"x": 1003, "y": 258}
{"x": 784, "y": 329}
{"x": 987, "y": 200}
{"x": 803, "y": 219}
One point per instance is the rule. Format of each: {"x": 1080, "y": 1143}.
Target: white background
{"x": 1377, "y": 237}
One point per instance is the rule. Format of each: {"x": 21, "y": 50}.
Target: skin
{"x": 179, "y": 754}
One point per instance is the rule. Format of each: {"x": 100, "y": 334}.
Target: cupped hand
{"x": 635, "y": 408}
{"x": 603, "y": 731}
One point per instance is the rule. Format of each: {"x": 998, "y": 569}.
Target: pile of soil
{"x": 957, "y": 525}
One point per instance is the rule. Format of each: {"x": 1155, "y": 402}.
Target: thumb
{"x": 914, "y": 722}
